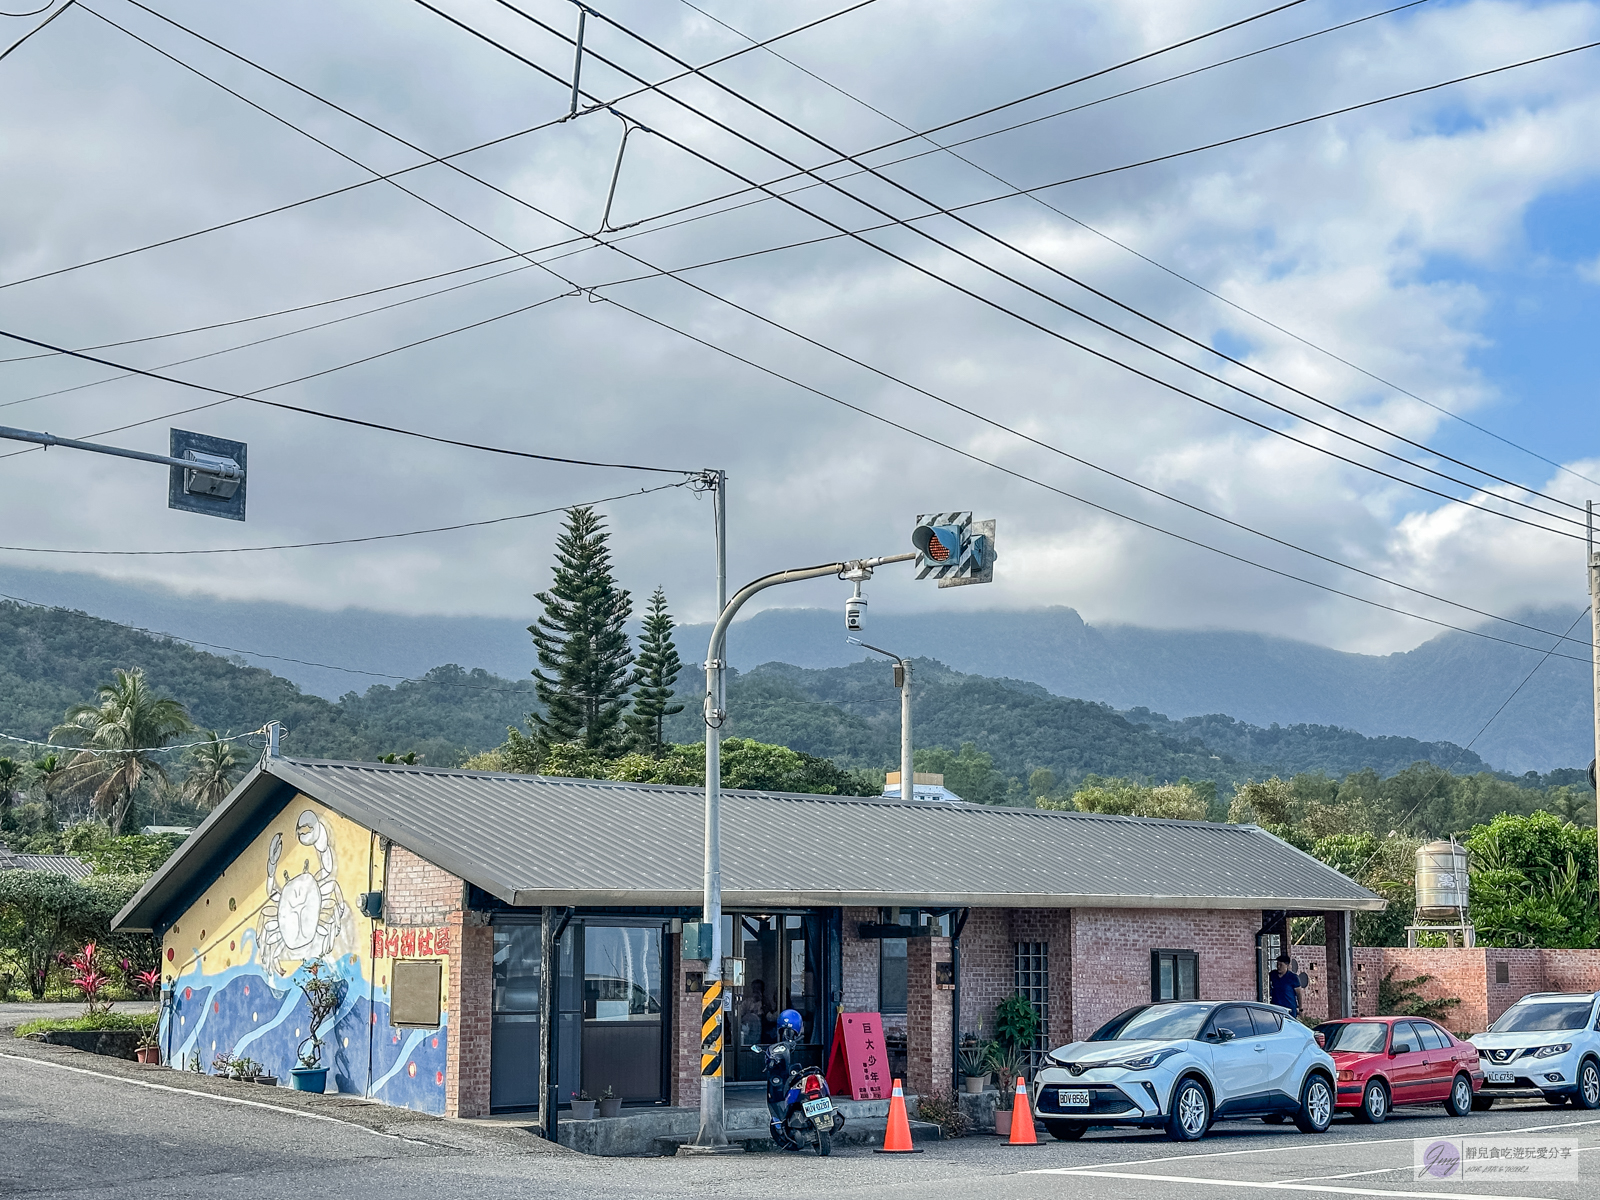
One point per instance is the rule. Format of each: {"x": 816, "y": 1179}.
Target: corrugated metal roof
{"x": 56, "y": 864}
{"x": 534, "y": 840}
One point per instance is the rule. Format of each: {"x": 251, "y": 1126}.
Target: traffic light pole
{"x": 712, "y": 1137}
{"x": 228, "y": 471}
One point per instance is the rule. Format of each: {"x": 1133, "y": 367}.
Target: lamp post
{"x": 902, "y": 680}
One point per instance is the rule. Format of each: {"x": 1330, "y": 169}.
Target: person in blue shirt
{"x": 1285, "y": 986}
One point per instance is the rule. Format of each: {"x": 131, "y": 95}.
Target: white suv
{"x": 1546, "y": 1044}
{"x": 1181, "y": 1065}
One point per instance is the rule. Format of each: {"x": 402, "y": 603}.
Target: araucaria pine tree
{"x": 658, "y": 667}
{"x": 582, "y": 644}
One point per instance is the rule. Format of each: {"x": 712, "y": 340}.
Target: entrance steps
{"x": 660, "y": 1131}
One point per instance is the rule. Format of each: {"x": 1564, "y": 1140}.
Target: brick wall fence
{"x": 1474, "y": 977}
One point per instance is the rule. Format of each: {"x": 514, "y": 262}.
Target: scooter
{"x": 798, "y": 1102}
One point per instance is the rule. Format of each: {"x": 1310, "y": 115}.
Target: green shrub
{"x": 108, "y": 1020}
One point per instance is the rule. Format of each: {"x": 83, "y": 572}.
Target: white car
{"x": 1180, "y": 1065}
{"x": 1546, "y": 1044}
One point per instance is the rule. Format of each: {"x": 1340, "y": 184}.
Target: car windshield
{"x": 1357, "y": 1037}
{"x": 1541, "y": 1015}
{"x": 1156, "y": 1022}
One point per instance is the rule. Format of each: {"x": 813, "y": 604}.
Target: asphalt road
{"x": 77, "y": 1126}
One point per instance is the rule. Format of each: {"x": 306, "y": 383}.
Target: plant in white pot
{"x": 975, "y": 1067}
{"x": 610, "y": 1103}
{"x": 582, "y": 1106}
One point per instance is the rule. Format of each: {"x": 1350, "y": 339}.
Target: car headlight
{"x": 1144, "y": 1062}
{"x": 1552, "y": 1051}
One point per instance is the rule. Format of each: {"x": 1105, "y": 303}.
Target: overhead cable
{"x": 950, "y": 149}
{"x": 428, "y": 162}
{"x": 1045, "y": 445}
{"x": 6, "y": 53}
{"x": 998, "y": 306}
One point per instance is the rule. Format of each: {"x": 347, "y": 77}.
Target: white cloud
{"x": 1330, "y": 231}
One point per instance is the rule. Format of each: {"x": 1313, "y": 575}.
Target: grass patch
{"x": 111, "y": 1020}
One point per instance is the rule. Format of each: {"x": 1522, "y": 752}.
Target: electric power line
{"x": 6, "y": 53}
{"x": 1324, "y": 558}
{"x": 1057, "y": 271}
{"x": 950, "y": 149}
{"x": 429, "y": 161}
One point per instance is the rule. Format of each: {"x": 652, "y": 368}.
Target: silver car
{"x": 1180, "y": 1065}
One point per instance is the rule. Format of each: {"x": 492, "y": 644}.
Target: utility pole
{"x": 902, "y": 680}
{"x": 1594, "y": 637}
{"x": 712, "y": 1137}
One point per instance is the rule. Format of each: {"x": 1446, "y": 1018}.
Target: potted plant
{"x": 262, "y": 1077}
{"x": 582, "y": 1106}
{"x": 975, "y": 1067}
{"x": 148, "y": 1049}
{"x": 323, "y": 997}
{"x": 610, "y": 1103}
{"x": 1008, "y": 1064}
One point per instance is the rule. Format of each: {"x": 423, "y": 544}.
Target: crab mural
{"x": 305, "y": 917}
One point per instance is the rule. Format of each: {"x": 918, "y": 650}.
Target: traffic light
{"x": 954, "y": 549}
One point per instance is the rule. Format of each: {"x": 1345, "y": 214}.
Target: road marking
{"x": 1283, "y": 1187}
{"x": 162, "y": 1087}
{"x": 1348, "y": 1174}
{"x": 1470, "y": 1131}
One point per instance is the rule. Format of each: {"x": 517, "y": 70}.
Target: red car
{"x": 1386, "y": 1062}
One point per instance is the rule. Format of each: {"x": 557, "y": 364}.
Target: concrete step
{"x": 869, "y": 1131}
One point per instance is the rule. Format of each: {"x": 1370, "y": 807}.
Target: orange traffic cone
{"x": 897, "y": 1137}
{"x": 1022, "y": 1118}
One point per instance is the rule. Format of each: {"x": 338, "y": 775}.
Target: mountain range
{"x": 1449, "y": 689}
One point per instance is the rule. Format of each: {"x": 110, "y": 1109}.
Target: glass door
{"x": 782, "y": 955}
{"x": 514, "y": 1030}
{"x": 623, "y": 1033}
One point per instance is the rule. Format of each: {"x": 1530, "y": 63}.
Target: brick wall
{"x": 1470, "y": 976}
{"x": 686, "y": 1035}
{"x": 1053, "y": 926}
{"x": 928, "y": 1008}
{"x": 859, "y": 959}
{"x": 1111, "y": 956}
{"x": 418, "y": 893}
{"x": 986, "y": 968}
{"x": 466, "y": 1088}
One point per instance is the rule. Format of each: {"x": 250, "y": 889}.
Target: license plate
{"x": 1500, "y": 1077}
{"x": 1072, "y": 1097}
{"x": 817, "y": 1108}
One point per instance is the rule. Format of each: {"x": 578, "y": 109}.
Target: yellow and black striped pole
{"x": 711, "y": 1031}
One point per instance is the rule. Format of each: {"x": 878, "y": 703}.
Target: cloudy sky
{"x": 1445, "y": 243}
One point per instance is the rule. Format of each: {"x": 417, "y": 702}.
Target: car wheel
{"x": 1066, "y": 1131}
{"x": 1374, "y": 1103}
{"x": 1461, "y": 1101}
{"x": 1316, "y": 1105}
{"x": 1191, "y": 1112}
{"x": 1482, "y": 1103}
{"x": 1588, "y": 1084}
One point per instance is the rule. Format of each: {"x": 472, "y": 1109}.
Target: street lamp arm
{"x": 877, "y": 650}
{"x": 796, "y": 575}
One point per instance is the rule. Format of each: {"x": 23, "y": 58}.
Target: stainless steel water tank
{"x": 1442, "y": 880}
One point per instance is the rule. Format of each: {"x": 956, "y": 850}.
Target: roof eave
{"x": 735, "y": 898}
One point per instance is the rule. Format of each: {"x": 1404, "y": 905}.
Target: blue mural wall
{"x": 237, "y": 958}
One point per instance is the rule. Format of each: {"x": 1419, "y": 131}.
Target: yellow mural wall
{"x": 234, "y": 958}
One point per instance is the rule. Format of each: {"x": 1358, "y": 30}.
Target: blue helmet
{"x": 789, "y": 1020}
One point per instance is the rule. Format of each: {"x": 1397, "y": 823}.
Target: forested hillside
{"x": 53, "y": 658}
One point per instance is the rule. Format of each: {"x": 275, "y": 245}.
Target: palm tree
{"x": 213, "y": 766}
{"x": 46, "y": 773}
{"x": 10, "y": 778}
{"x": 119, "y": 737}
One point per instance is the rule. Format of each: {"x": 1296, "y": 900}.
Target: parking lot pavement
{"x": 69, "y": 1128}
